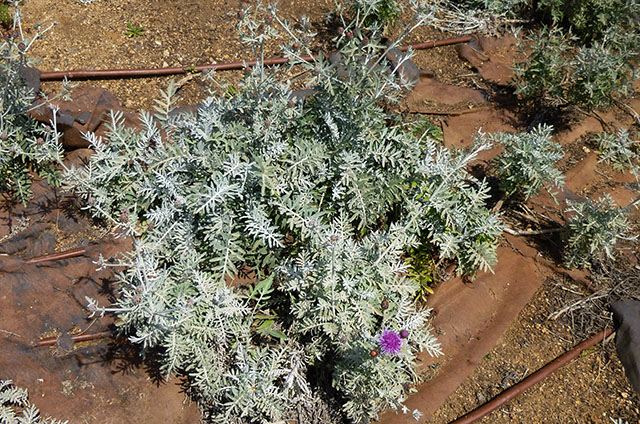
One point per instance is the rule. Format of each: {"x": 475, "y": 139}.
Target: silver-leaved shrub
{"x": 15, "y": 407}
{"x": 620, "y": 150}
{"x": 314, "y": 199}
{"x": 593, "y": 230}
{"x": 528, "y": 162}
{"x": 26, "y": 146}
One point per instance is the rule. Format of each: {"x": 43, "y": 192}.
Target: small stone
{"x": 158, "y": 42}
{"x": 166, "y": 53}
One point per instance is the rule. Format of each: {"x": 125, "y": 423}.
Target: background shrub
{"x": 528, "y": 162}
{"x": 590, "y": 20}
{"x": 26, "y": 146}
{"x": 543, "y": 76}
{"x": 593, "y": 231}
{"x": 620, "y": 150}
{"x": 561, "y": 72}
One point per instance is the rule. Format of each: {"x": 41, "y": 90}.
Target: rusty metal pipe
{"x": 51, "y": 341}
{"x": 533, "y": 379}
{"x": 149, "y": 72}
{"x": 57, "y": 256}
{"x": 437, "y": 43}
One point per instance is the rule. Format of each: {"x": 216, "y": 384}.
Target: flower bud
{"x": 373, "y": 353}
{"x": 404, "y": 334}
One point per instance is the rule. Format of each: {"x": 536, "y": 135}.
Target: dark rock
{"x": 493, "y": 57}
{"x": 31, "y": 78}
{"x": 407, "y": 71}
{"x": 626, "y": 318}
{"x": 83, "y": 117}
{"x": 193, "y": 109}
{"x": 302, "y": 94}
{"x": 85, "y": 113}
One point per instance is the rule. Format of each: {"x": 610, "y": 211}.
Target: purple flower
{"x": 390, "y": 342}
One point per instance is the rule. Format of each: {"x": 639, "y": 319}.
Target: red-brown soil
{"x": 494, "y": 330}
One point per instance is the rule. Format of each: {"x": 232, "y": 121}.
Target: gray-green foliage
{"x": 379, "y": 13}
{"x": 450, "y": 209}
{"x": 560, "y": 72}
{"x": 528, "y": 162}
{"x": 542, "y": 76}
{"x": 496, "y": 7}
{"x": 315, "y": 198}
{"x": 344, "y": 293}
{"x": 620, "y": 150}
{"x": 590, "y": 19}
{"x": 602, "y": 73}
{"x": 26, "y": 146}
{"x": 593, "y": 230}
{"x": 469, "y": 16}
{"x": 15, "y": 407}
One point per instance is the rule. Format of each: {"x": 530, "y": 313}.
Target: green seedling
{"x": 134, "y": 30}
{"x": 5, "y": 16}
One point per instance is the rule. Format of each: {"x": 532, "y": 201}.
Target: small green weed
{"x": 422, "y": 268}
{"x": 134, "y": 30}
{"x": 6, "y": 18}
{"x": 385, "y": 14}
{"x": 422, "y": 127}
